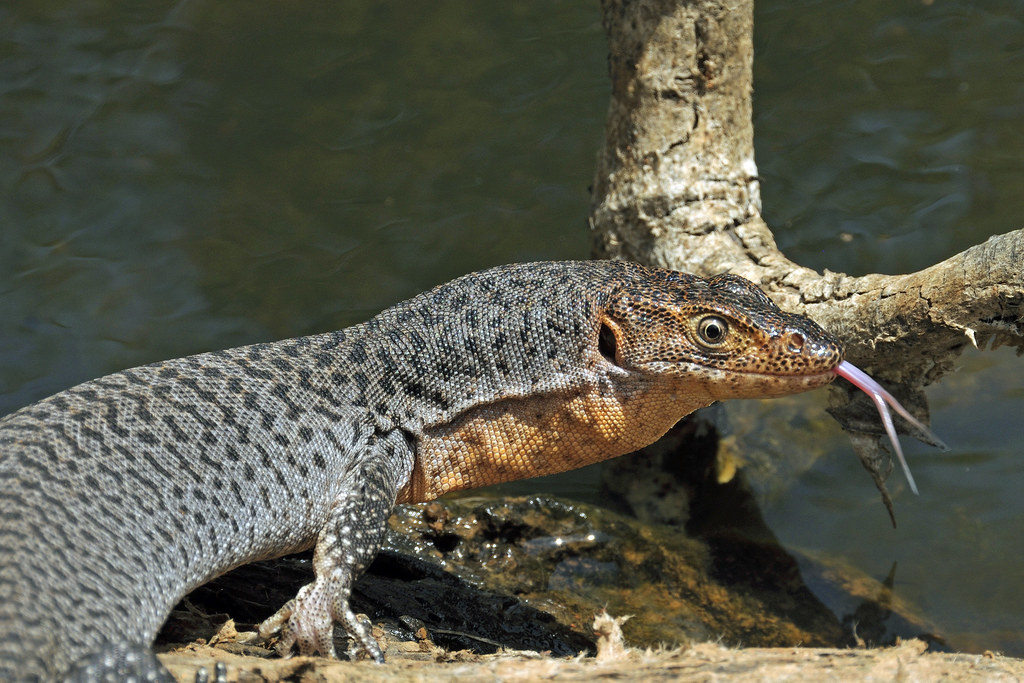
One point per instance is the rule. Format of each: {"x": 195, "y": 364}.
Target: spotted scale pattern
{"x": 121, "y": 494}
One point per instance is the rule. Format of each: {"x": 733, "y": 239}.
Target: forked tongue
{"x": 881, "y": 397}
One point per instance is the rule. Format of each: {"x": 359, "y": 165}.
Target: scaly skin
{"x": 120, "y": 495}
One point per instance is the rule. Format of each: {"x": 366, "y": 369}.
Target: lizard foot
{"x": 307, "y": 621}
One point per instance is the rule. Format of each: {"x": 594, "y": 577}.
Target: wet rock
{"x": 481, "y": 574}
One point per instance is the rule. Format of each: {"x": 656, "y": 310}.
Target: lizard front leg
{"x": 345, "y": 547}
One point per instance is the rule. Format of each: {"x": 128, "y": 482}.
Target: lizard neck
{"x": 534, "y": 436}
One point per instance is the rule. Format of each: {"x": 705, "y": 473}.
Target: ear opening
{"x": 607, "y": 341}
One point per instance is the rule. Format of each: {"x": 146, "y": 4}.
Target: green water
{"x": 183, "y": 177}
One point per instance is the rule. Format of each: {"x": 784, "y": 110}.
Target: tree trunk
{"x": 677, "y": 186}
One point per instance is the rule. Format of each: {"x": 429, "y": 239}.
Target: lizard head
{"x": 721, "y": 334}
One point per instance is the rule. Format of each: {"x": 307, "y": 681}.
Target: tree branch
{"x": 676, "y": 185}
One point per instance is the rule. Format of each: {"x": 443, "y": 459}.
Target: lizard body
{"x": 121, "y": 494}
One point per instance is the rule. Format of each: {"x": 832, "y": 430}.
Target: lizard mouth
{"x": 823, "y": 377}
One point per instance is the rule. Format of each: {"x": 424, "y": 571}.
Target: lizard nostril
{"x": 795, "y": 341}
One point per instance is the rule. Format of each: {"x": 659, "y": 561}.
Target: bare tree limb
{"x": 676, "y": 185}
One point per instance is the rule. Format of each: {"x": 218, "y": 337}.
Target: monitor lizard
{"x": 121, "y": 494}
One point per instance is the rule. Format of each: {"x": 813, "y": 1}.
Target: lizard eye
{"x": 712, "y": 331}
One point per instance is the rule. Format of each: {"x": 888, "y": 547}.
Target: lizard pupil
{"x": 712, "y": 330}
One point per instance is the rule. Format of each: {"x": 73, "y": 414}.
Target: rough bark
{"x": 678, "y": 162}
{"x": 676, "y": 185}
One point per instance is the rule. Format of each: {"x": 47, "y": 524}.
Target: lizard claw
{"x": 307, "y": 621}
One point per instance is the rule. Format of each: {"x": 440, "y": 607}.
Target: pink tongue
{"x": 881, "y": 397}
